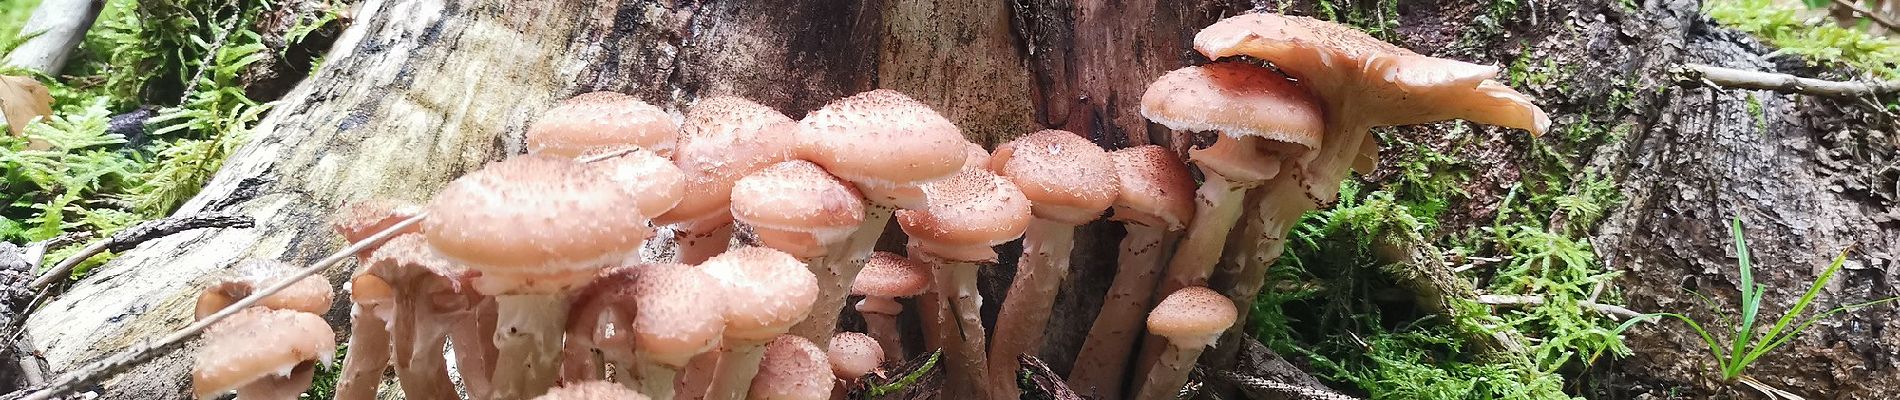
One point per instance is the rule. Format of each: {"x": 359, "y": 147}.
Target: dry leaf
{"x": 21, "y": 99}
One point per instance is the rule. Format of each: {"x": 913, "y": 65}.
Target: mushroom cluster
{"x": 527, "y": 273}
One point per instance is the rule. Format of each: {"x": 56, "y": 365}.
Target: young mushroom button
{"x": 1191, "y": 319}
{"x": 886, "y": 277}
{"x": 853, "y": 355}
{"x": 793, "y": 369}
{"x": 680, "y": 313}
{"x": 592, "y": 390}
{"x": 766, "y": 291}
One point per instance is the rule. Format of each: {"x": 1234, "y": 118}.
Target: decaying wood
{"x": 1695, "y": 74}
{"x": 55, "y": 29}
{"x": 129, "y": 238}
{"x": 97, "y": 371}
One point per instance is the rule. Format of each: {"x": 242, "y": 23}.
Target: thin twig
{"x": 1531, "y": 300}
{"x": 145, "y": 351}
{"x": 1258, "y": 384}
{"x": 137, "y": 234}
{"x": 1784, "y": 83}
{"x": 1877, "y": 17}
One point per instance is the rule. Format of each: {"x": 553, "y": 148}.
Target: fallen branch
{"x": 131, "y": 237}
{"x": 1513, "y": 300}
{"x": 54, "y": 31}
{"x": 1265, "y": 388}
{"x": 145, "y": 351}
{"x": 1878, "y": 18}
{"x": 1755, "y": 80}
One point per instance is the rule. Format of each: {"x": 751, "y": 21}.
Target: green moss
{"x": 1786, "y": 27}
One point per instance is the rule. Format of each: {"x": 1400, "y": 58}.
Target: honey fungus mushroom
{"x": 601, "y": 120}
{"x": 536, "y": 227}
{"x": 311, "y": 294}
{"x": 262, "y": 353}
{"x": 723, "y": 139}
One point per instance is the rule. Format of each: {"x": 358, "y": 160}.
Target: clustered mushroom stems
{"x": 504, "y": 226}
{"x": 1155, "y": 201}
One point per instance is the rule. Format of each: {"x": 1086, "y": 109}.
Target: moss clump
{"x": 1786, "y": 27}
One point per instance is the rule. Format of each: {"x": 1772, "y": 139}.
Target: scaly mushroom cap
{"x": 360, "y": 219}
{"x": 533, "y": 223}
{"x": 911, "y": 196}
{"x": 793, "y": 369}
{"x": 1192, "y": 317}
{"x": 592, "y": 121}
{"x": 966, "y": 215}
{"x": 312, "y": 294}
{"x": 680, "y": 312}
{"x": 1366, "y": 83}
{"x": 1156, "y": 189}
{"x": 882, "y": 138}
{"x": 655, "y": 184}
{"x": 766, "y": 291}
{"x": 887, "y": 274}
{"x": 726, "y": 138}
{"x": 1068, "y": 178}
{"x": 798, "y": 196}
{"x": 853, "y": 355}
{"x": 257, "y": 342}
{"x": 592, "y": 390}
{"x": 1237, "y": 100}
{"x": 442, "y": 286}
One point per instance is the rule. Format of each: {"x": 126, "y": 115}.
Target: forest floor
{"x": 157, "y": 97}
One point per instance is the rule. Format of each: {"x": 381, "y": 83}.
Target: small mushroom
{"x": 793, "y": 369}
{"x": 601, "y": 120}
{"x": 311, "y": 294}
{"x": 724, "y": 138}
{"x": 592, "y": 390}
{"x": 1191, "y": 319}
{"x": 1069, "y": 181}
{"x": 966, "y": 216}
{"x": 262, "y": 353}
{"x": 797, "y": 208}
{"x": 853, "y": 355}
{"x": 886, "y": 277}
{"x": 1156, "y": 199}
{"x": 680, "y": 313}
{"x": 656, "y": 183}
{"x": 536, "y": 227}
{"x": 886, "y": 144}
{"x": 765, "y": 292}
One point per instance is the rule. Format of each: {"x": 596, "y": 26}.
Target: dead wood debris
{"x": 1712, "y": 76}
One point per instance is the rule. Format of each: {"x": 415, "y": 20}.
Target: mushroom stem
{"x": 696, "y": 381}
{"x": 1102, "y": 364}
{"x": 280, "y": 387}
{"x": 967, "y": 365}
{"x": 367, "y": 357}
{"x": 835, "y": 273}
{"x": 528, "y": 332}
{"x": 1274, "y": 214}
{"x": 883, "y": 327}
{"x": 654, "y": 378}
{"x": 935, "y": 312}
{"x": 738, "y": 364}
{"x": 421, "y": 368}
{"x": 1165, "y": 380}
{"x": 1025, "y": 314}
{"x": 703, "y": 239}
{"x": 1218, "y": 207}
{"x": 473, "y": 349}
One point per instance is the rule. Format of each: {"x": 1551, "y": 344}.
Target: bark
{"x": 56, "y": 28}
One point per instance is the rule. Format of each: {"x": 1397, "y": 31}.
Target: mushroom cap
{"x": 882, "y": 138}
{"x": 1366, "y": 83}
{"x": 592, "y": 390}
{"x": 655, "y": 184}
{"x": 357, "y": 220}
{"x": 792, "y": 369}
{"x": 597, "y": 120}
{"x": 535, "y": 217}
{"x": 853, "y": 355}
{"x": 798, "y": 196}
{"x": 680, "y": 312}
{"x": 1243, "y": 160}
{"x": 608, "y": 299}
{"x": 966, "y": 215}
{"x": 911, "y": 196}
{"x": 1156, "y": 188}
{"x": 312, "y": 294}
{"x": 726, "y": 138}
{"x": 257, "y": 342}
{"x": 414, "y": 270}
{"x": 765, "y": 291}
{"x": 1192, "y": 317}
{"x": 1236, "y": 99}
{"x": 372, "y": 294}
{"x": 1068, "y": 178}
{"x": 887, "y": 274}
